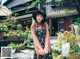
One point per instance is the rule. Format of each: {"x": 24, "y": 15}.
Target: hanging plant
{"x": 34, "y": 3}
{"x": 3, "y": 27}
{"x": 27, "y": 28}
{"x": 58, "y": 0}
{"x": 19, "y": 26}
{"x": 62, "y": 2}
{"x": 66, "y": 12}
{"x": 77, "y": 22}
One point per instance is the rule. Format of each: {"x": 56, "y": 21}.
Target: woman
{"x": 41, "y": 36}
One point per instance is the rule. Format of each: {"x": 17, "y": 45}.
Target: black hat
{"x": 39, "y": 12}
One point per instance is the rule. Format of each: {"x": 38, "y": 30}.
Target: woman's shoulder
{"x": 45, "y": 24}
{"x": 33, "y": 25}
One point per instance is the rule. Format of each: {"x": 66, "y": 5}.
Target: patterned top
{"x": 41, "y": 34}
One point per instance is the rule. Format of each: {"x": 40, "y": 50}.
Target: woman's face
{"x": 39, "y": 18}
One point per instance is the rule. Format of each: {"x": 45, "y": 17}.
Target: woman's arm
{"x": 35, "y": 39}
{"x": 47, "y": 40}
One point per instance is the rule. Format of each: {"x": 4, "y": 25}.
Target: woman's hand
{"x": 45, "y": 51}
{"x": 39, "y": 51}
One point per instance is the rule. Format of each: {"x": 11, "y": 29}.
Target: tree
{"x": 77, "y": 5}
{"x": 34, "y": 3}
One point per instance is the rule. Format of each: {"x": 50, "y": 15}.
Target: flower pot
{"x": 55, "y": 54}
{"x": 5, "y": 38}
{"x": 13, "y": 50}
{"x": 12, "y": 38}
{"x": 1, "y": 35}
{"x": 23, "y": 47}
{"x": 18, "y": 49}
{"x": 23, "y": 38}
{"x": 72, "y": 56}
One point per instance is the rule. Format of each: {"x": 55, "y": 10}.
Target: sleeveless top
{"x": 41, "y": 34}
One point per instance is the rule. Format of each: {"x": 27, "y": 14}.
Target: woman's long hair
{"x": 42, "y": 23}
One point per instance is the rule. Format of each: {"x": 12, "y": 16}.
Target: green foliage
{"x": 19, "y": 45}
{"x": 19, "y": 26}
{"x": 58, "y": 0}
{"x": 57, "y": 47}
{"x": 66, "y": 12}
{"x": 3, "y": 27}
{"x": 12, "y": 33}
{"x": 56, "y": 51}
{"x": 34, "y": 3}
{"x": 27, "y": 28}
{"x": 21, "y": 34}
{"x": 75, "y": 49}
{"x": 62, "y": 0}
{"x": 68, "y": 37}
{"x": 15, "y": 46}
{"x": 29, "y": 38}
{"x": 77, "y": 22}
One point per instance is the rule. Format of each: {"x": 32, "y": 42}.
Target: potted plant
{"x": 27, "y": 28}
{"x": 56, "y": 50}
{"x": 5, "y": 36}
{"x": 12, "y": 35}
{"x": 74, "y": 52}
{"x": 76, "y": 26}
{"x": 22, "y": 35}
{"x": 73, "y": 40}
{"x": 19, "y": 27}
{"x": 3, "y": 28}
{"x": 16, "y": 46}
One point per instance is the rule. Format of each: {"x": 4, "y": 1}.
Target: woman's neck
{"x": 38, "y": 25}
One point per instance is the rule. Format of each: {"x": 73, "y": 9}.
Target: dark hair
{"x": 39, "y": 12}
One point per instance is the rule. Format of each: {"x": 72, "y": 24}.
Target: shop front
{"x": 53, "y": 26}
{"x": 61, "y": 24}
{"x": 59, "y": 18}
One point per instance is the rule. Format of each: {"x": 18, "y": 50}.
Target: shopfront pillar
{"x": 50, "y": 27}
{"x": 33, "y": 21}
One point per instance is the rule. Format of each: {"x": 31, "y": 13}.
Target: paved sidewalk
{"x": 53, "y": 40}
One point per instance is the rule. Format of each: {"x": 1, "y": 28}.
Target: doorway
{"x": 54, "y": 27}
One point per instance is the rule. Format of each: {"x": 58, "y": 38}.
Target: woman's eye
{"x": 38, "y": 16}
{"x": 41, "y": 16}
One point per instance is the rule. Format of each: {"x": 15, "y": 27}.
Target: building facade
{"x": 60, "y": 17}
{"x": 20, "y": 10}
